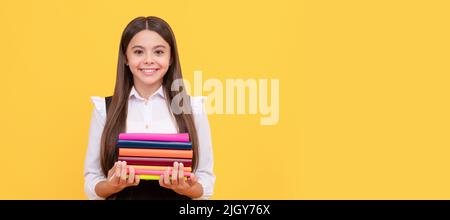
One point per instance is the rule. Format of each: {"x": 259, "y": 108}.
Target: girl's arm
{"x": 92, "y": 170}
{"x": 96, "y": 185}
{"x": 204, "y": 172}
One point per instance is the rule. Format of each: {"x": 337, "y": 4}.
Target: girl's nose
{"x": 148, "y": 59}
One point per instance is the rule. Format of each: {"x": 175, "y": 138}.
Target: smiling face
{"x": 148, "y": 57}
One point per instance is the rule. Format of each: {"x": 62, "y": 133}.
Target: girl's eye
{"x": 159, "y": 52}
{"x": 138, "y": 52}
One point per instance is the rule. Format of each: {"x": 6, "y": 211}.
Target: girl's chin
{"x": 149, "y": 81}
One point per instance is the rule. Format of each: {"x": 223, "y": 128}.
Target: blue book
{"x": 154, "y": 144}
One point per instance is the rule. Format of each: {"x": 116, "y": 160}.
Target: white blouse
{"x": 149, "y": 116}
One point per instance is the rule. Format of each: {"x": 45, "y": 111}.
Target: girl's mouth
{"x": 148, "y": 71}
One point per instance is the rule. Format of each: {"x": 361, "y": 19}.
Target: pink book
{"x": 182, "y": 137}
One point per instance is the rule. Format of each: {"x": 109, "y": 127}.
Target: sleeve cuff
{"x": 92, "y": 194}
{"x": 206, "y": 194}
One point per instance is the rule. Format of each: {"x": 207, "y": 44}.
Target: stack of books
{"x": 150, "y": 154}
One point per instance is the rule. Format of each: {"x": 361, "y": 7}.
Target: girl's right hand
{"x": 118, "y": 178}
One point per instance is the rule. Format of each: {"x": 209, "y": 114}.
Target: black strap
{"x": 108, "y": 102}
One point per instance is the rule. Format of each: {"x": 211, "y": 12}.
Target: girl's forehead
{"x": 147, "y": 38}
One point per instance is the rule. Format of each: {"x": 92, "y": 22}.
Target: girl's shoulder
{"x": 99, "y": 105}
{"x": 198, "y": 104}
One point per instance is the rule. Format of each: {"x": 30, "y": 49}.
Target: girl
{"x": 144, "y": 102}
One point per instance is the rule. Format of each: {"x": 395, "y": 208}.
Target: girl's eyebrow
{"x": 141, "y": 47}
{"x": 157, "y": 46}
{"x": 137, "y": 46}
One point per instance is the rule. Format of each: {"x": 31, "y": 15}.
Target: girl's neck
{"x": 145, "y": 91}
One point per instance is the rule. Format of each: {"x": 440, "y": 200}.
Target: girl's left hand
{"x": 175, "y": 180}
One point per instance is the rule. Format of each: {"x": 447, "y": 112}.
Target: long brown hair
{"x": 117, "y": 112}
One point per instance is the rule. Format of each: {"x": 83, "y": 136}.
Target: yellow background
{"x": 364, "y": 93}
